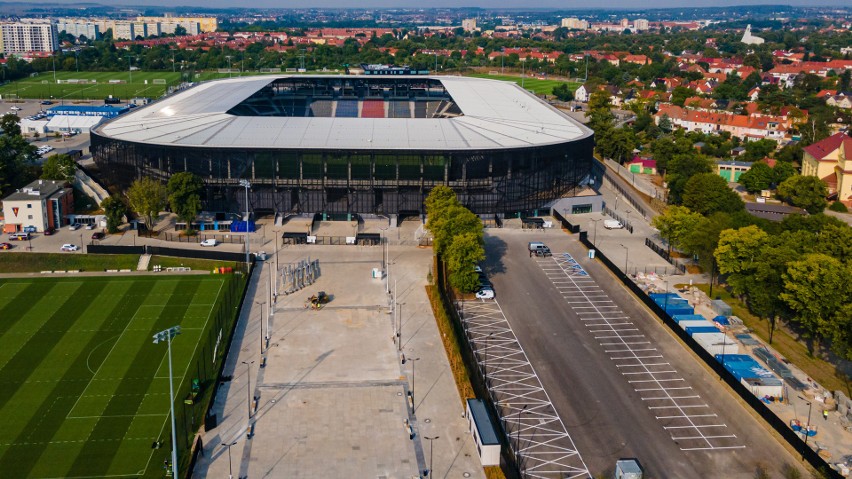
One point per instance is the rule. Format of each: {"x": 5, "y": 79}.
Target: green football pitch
{"x": 535, "y": 85}
{"x": 99, "y": 85}
{"x": 84, "y": 391}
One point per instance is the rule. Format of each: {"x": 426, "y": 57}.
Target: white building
{"x": 640, "y": 25}
{"x": 575, "y": 24}
{"x": 42, "y": 204}
{"x": 79, "y": 28}
{"x": 469, "y": 25}
{"x": 26, "y": 36}
{"x": 750, "y": 39}
{"x": 123, "y": 31}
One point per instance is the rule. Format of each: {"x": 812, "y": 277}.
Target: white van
{"x": 19, "y": 236}
{"x": 613, "y": 224}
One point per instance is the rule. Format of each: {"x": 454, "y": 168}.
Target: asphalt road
{"x": 603, "y": 413}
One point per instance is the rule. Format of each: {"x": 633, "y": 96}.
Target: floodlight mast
{"x": 167, "y": 335}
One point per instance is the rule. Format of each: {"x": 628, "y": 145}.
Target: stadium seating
{"x": 372, "y": 109}
{"x": 347, "y": 109}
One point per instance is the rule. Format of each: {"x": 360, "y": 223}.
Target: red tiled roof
{"x": 821, "y": 149}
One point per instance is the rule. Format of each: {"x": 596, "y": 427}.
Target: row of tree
{"x": 798, "y": 270}
{"x": 458, "y": 237}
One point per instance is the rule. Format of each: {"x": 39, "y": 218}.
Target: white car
{"x": 90, "y": 226}
{"x": 209, "y": 242}
{"x": 16, "y": 108}
{"x": 485, "y": 293}
{"x": 69, "y": 247}
{"x": 74, "y": 227}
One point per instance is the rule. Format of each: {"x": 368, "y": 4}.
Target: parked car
{"x": 5, "y": 245}
{"x": 209, "y": 242}
{"x": 46, "y": 102}
{"x": 69, "y": 247}
{"x": 97, "y": 235}
{"x": 90, "y": 226}
{"x": 485, "y": 293}
{"x": 49, "y": 231}
{"x": 613, "y": 225}
{"x": 74, "y": 227}
{"x": 16, "y": 108}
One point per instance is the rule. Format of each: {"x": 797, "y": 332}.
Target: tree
{"x": 680, "y": 169}
{"x": 781, "y": 171}
{"x": 737, "y": 252}
{"x": 816, "y": 287}
{"x": 185, "y": 191}
{"x": 808, "y": 192}
{"x": 679, "y": 96}
{"x": 458, "y": 220}
{"x": 59, "y": 167}
{"x": 10, "y": 124}
{"x": 758, "y": 177}
{"x": 562, "y": 92}
{"x": 765, "y": 285}
{"x": 707, "y": 193}
{"x": 147, "y": 197}
{"x": 17, "y": 162}
{"x": 702, "y": 239}
{"x": 757, "y": 150}
{"x": 114, "y": 209}
{"x": 675, "y": 224}
{"x": 465, "y": 251}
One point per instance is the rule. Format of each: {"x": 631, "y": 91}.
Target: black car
{"x": 97, "y": 235}
{"x": 47, "y": 102}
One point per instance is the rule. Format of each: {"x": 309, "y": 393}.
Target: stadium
{"x": 341, "y": 145}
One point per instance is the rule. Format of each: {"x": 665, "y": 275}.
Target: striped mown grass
{"x": 84, "y": 392}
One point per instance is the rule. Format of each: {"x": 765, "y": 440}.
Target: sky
{"x": 558, "y": 4}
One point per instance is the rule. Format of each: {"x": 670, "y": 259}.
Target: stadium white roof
{"x": 497, "y": 115}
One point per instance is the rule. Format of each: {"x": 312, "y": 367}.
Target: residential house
{"x": 831, "y": 161}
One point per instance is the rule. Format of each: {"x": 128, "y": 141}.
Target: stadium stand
{"x": 372, "y": 109}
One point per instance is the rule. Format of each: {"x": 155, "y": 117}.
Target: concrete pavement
{"x": 332, "y": 395}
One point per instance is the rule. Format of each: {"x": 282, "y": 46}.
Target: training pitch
{"x": 84, "y": 391}
{"x": 99, "y": 85}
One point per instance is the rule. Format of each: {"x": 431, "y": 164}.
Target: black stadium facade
{"x": 353, "y": 144}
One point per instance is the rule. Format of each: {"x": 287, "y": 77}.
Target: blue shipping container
{"x": 701, "y": 329}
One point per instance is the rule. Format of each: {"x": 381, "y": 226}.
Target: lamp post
{"x": 247, "y": 185}
{"x": 53, "y": 59}
{"x": 808, "y": 426}
{"x": 413, "y": 405}
{"x": 248, "y": 391}
{"x": 430, "y": 439}
{"x": 485, "y": 360}
{"x": 167, "y": 335}
{"x": 626, "y": 256}
{"x": 518, "y": 438}
{"x": 230, "y": 467}
{"x": 229, "y": 65}
{"x": 595, "y": 237}
{"x": 260, "y": 304}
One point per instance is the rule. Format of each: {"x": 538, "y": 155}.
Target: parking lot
{"x": 622, "y": 385}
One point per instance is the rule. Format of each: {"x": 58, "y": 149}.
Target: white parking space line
{"x": 656, "y": 380}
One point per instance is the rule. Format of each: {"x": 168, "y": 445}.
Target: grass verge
{"x": 823, "y": 372}
{"x": 540, "y": 87}
{"x": 11, "y": 262}
{"x": 451, "y": 344}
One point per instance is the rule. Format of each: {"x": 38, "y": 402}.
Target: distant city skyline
{"x": 486, "y": 4}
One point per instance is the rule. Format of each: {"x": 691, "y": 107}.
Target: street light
{"x": 413, "y": 406}
{"x": 261, "y": 303}
{"x": 430, "y": 439}
{"x": 626, "y": 256}
{"x": 485, "y": 360}
{"x": 167, "y": 335}
{"x": 229, "y": 65}
{"x": 230, "y": 467}
{"x": 247, "y": 185}
{"x": 248, "y": 391}
{"x": 808, "y": 427}
{"x": 595, "y": 237}
{"x": 518, "y": 437}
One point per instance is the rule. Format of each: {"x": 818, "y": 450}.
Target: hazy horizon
{"x": 486, "y": 4}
